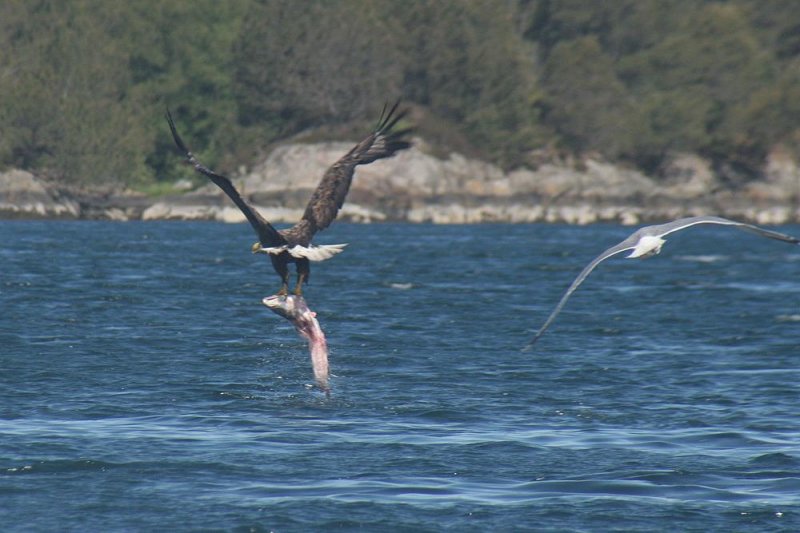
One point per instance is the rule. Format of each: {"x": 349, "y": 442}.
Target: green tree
{"x": 66, "y": 106}
{"x": 700, "y": 76}
{"x": 586, "y": 102}
{"x": 181, "y": 57}
{"x": 85, "y": 83}
{"x": 468, "y": 64}
{"x": 302, "y": 64}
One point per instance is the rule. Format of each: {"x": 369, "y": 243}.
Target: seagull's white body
{"x": 648, "y": 246}
{"x": 647, "y": 242}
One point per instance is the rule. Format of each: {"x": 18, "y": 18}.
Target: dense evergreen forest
{"x": 84, "y": 83}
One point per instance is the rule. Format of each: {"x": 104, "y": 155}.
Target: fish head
{"x": 289, "y": 306}
{"x": 280, "y": 304}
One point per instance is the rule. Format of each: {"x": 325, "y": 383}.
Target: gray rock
{"x": 22, "y": 195}
{"x": 418, "y": 187}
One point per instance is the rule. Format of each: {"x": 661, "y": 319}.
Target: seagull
{"x": 647, "y": 242}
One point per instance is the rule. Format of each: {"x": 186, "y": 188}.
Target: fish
{"x": 295, "y": 309}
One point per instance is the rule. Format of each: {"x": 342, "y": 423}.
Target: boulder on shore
{"x": 22, "y": 195}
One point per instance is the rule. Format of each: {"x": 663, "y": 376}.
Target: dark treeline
{"x": 84, "y": 83}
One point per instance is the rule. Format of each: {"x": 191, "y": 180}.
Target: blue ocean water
{"x": 143, "y": 386}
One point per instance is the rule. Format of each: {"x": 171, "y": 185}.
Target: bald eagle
{"x": 293, "y": 245}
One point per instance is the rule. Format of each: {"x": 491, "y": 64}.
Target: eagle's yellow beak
{"x": 256, "y": 247}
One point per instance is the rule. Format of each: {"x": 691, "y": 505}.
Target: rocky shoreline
{"x": 417, "y": 187}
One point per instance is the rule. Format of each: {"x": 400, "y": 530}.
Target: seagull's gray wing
{"x": 682, "y": 223}
{"x": 627, "y": 244}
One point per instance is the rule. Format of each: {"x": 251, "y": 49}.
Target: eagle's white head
{"x": 648, "y": 246}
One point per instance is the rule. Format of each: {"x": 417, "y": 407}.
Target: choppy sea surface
{"x": 143, "y": 386}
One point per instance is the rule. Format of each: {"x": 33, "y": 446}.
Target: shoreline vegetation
{"x": 418, "y": 187}
{"x": 530, "y": 110}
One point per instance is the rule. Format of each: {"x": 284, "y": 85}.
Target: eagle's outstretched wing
{"x": 267, "y": 235}
{"x": 329, "y": 195}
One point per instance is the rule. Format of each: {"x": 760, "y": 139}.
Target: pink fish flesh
{"x": 295, "y": 310}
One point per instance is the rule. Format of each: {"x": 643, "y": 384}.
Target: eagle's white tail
{"x": 312, "y": 253}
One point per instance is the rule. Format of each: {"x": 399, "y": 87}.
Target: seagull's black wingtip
{"x": 529, "y": 347}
